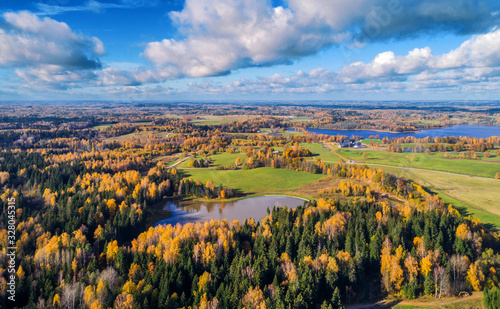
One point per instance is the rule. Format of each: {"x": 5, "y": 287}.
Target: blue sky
{"x": 134, "y": 50}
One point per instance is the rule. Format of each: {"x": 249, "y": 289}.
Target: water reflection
{"x": 457, "y": 131}
{"x": 254, "y": 207}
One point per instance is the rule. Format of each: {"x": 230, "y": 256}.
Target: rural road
{"x": 181, "y": 160}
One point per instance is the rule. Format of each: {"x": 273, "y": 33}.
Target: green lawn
{"x": 470, "y": 195}
{"x": 209, "y": 119}
{"x": 369, "y": 141}
{"x": 260, "y": 180}
{"x": 298, "y": 118}
{"x": 320, "y": 151}
{"x": 220, "y": 159}
{"x": 103, "y": 126}
{"x": 283, "y": 133}
{"x": 426, "y": 161}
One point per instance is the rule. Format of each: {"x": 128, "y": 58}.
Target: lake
{"x": 457, "y": 131}
{"x": 252, "y": 207}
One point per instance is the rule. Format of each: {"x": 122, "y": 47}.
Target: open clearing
{"x": 476, "y": 196}
{"x": 472, "y": 302}
{"x": 219, "y": 159}
{"x": 282, "y": 132}
{"x": 210, "y": 119}
{"x": 321, "y": 151}
{"x": 259, "y": 180}
{"x": 482, "y": 195}
{"x": 479, "y": 197}
{"x": 103, "y": 126}
{"x": 425, "y": 161}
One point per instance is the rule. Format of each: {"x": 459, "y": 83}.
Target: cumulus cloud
{"x": 133, "y": 77}
{"x": 481, "y": 51}
{"x": 314, "y": 81}
{"x": 47, "y": 53}
{"x": 28, "y": 40}
{"x": 475, "y": 65}
{"x": 395, "y": 19}
{"x": 472, "y": 65}
{"x": 225, "y": 35}
{"x": 217, "y": 37}
{"x": 55, "y": 77}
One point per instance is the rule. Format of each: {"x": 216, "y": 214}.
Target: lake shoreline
{"x": 471, "y": 131}
{"x": 374, "y": 130}
{"x": 255, "y": 207}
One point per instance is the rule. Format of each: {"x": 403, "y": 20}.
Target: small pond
{"x": 252, "y": 207}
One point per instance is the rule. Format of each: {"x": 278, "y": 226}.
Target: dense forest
{"x": 83, "y": 203}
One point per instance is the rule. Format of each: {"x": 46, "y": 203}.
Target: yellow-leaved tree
{"x": 475, "y": 276}
{"x": 390, "y": 268}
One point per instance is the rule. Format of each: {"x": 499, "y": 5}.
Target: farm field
{"x": 482, "y": 195}
{"x": 369, "y": 141}
{"x": 219, "y": 159}
{"x": 283, "y": 133}
{"x": 103, "y": 126}
{"x": 298, "y": 119}
{"x": 319, "y": 150}
{"x": 425, "y": 161}
{"x": 210, "y": 119}
{"x": 470, "y": 195}
{"x": 259, "y": 180}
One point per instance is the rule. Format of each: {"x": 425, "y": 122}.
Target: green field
{"x": 426, "y": 161}
{"x": 320, "y": 151}
{"x": 209, "y": 119}
{"x": 260, "y": 180}
{"x": 219, "y": 159}
{"x": 103, "y": 126}
{"x": 298, "y": 118}
{"x": 283, "y": 133}
{"x": 369, "y": 141}
{"x": 470, "y": 195}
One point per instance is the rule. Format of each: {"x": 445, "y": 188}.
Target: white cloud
{"x": 475, "y": 65}
{"x": 220, "y": 36}
{"x": 56, "y": 77}
{"x": 27, "y": 40}
{"x": 47, "y": 53}
{"x": 480, "y": 51}
{"x": 92, "y": 6}
{"x": 225, "y": 35}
